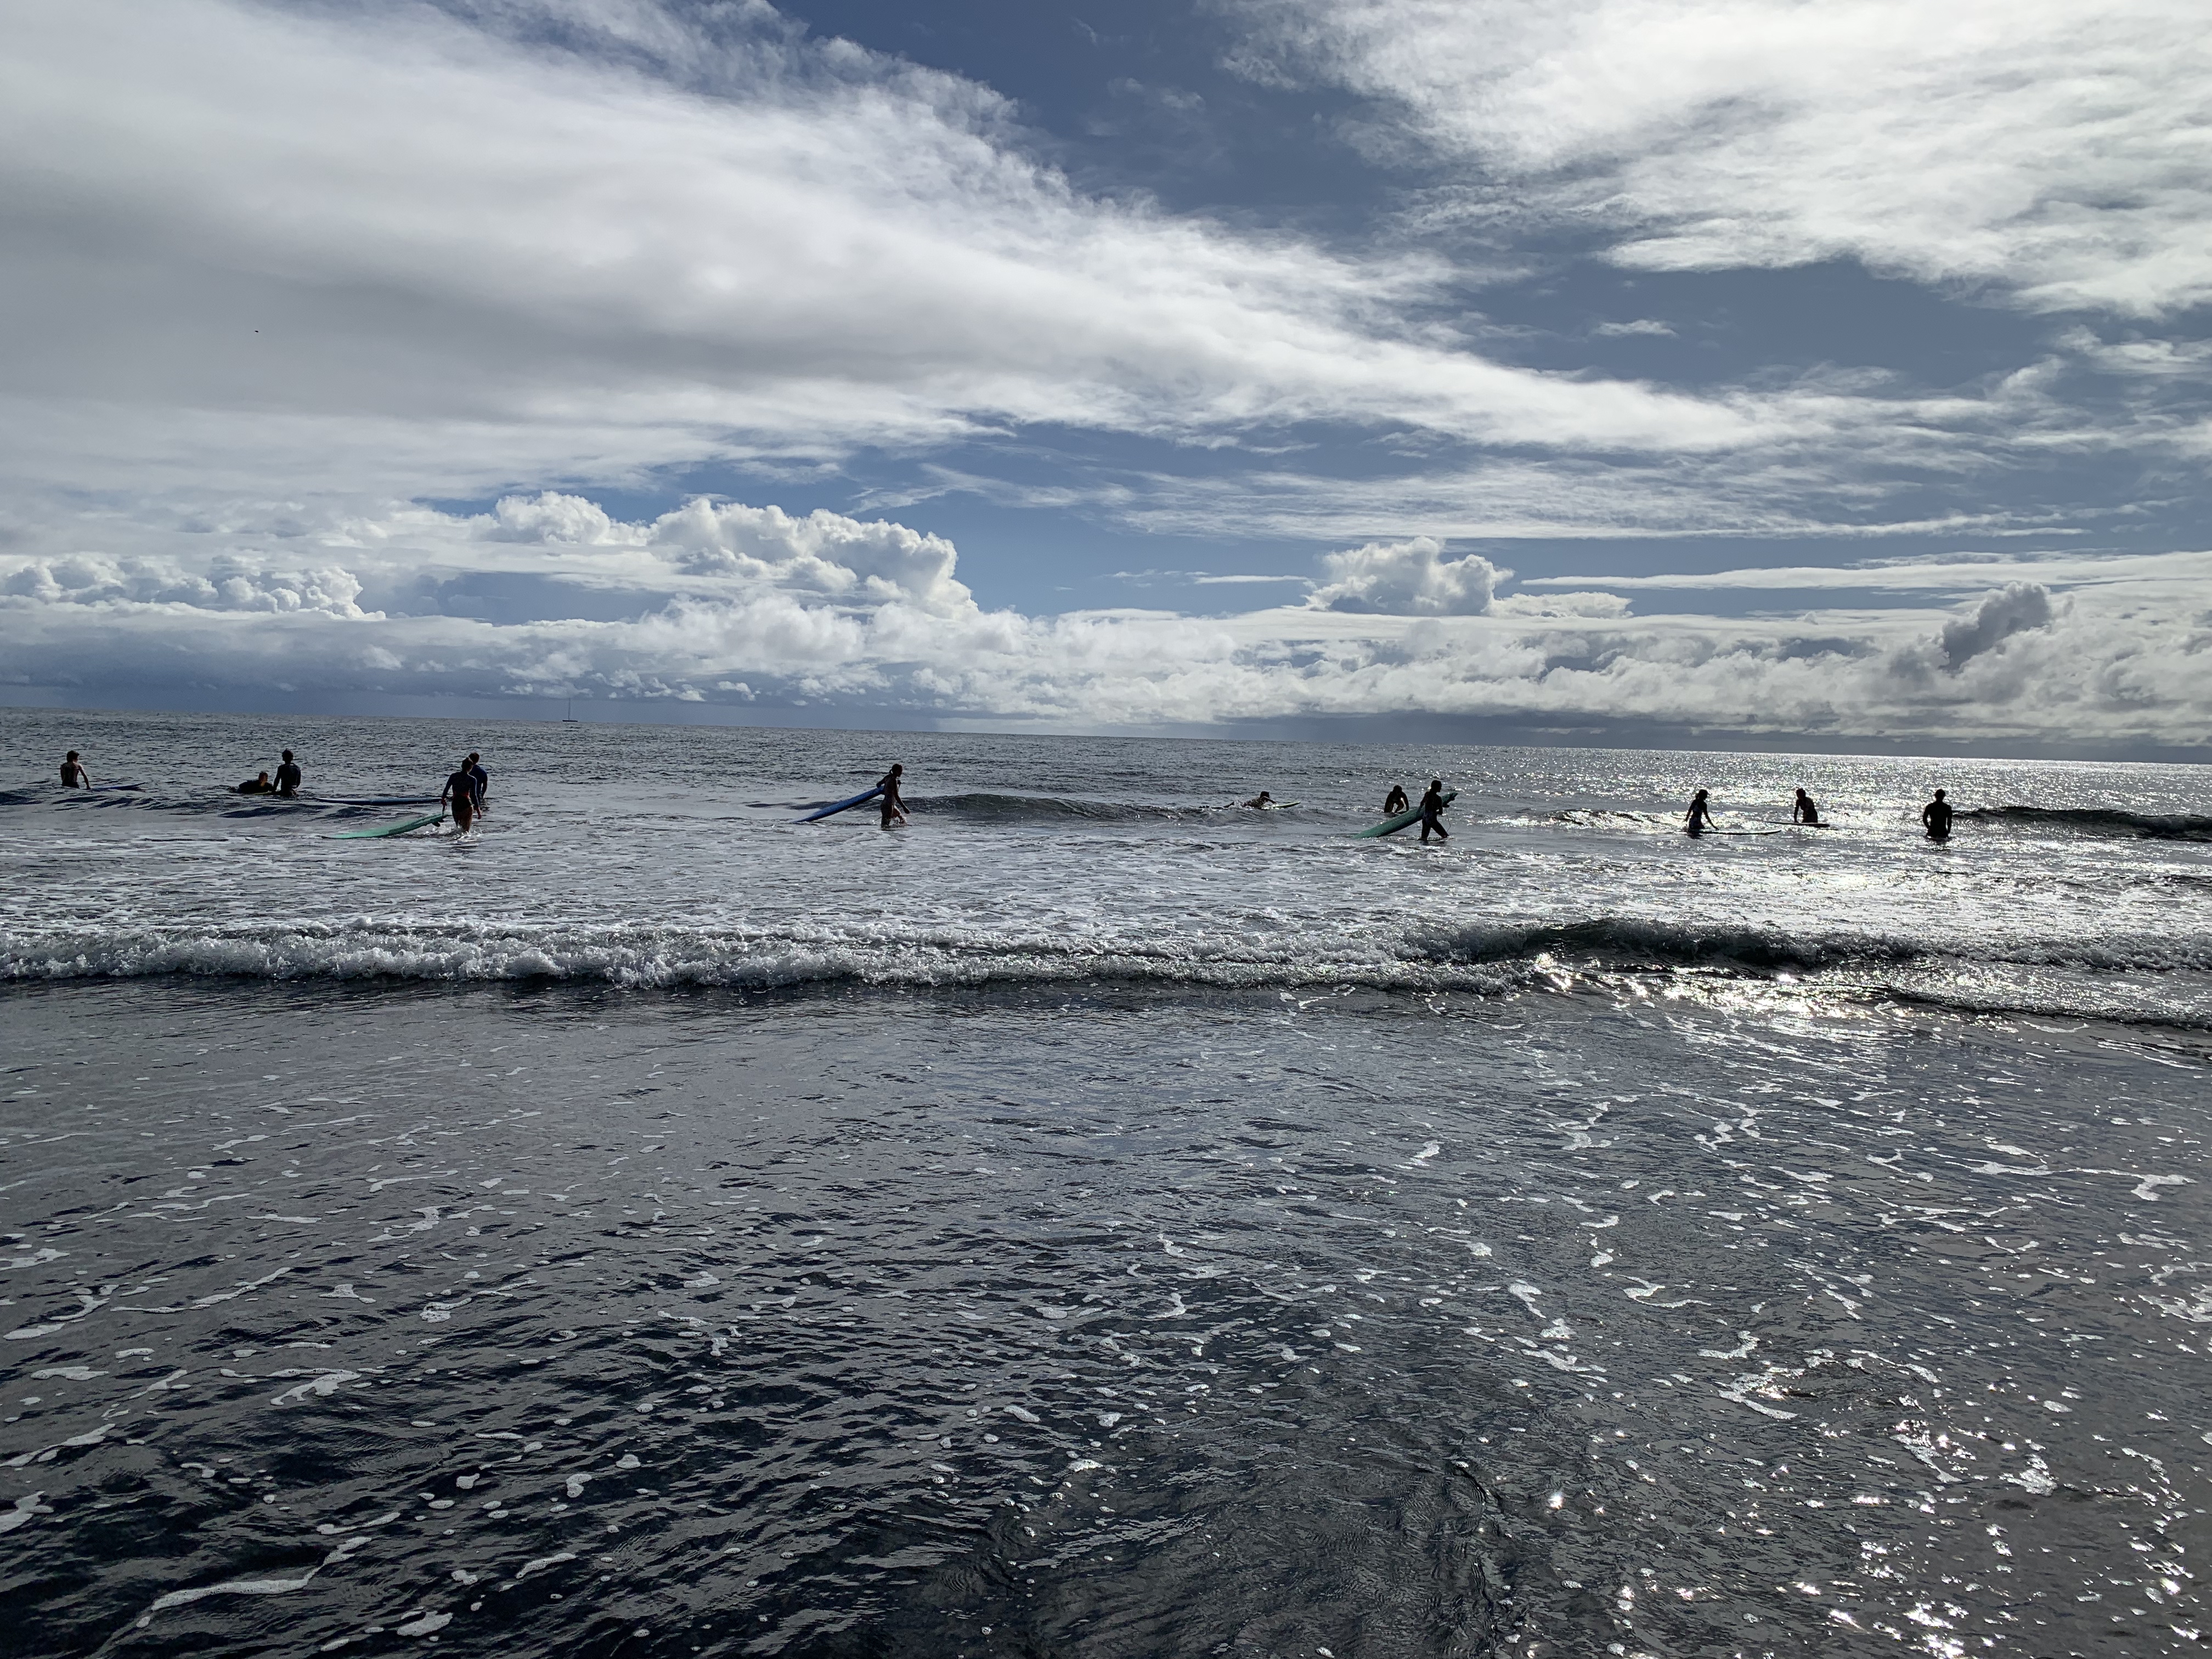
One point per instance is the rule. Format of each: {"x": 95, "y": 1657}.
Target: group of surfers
{"x": 463, "y": 796}
{"x": 1935, "y": 817}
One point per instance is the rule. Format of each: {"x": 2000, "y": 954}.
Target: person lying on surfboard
{"x": 893, "y": 805}
{"x": 1262, "y": 799}
{"x": 257, "y": 786}
{"x": 460, "y": 795}
{"x": 1395, "y": 801}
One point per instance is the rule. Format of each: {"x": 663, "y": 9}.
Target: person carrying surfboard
{"x": 460, "y": 795}
{"x": 894, "y": 807}
{"x": 1394, "y": 802}
{"x": 74, "y": 776}
{"x": 1432, "y": 811}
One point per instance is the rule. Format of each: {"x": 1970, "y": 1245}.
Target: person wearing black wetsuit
{"x": 459, "y": 796}
{"x": 74, "y": 776}
{"x": 257, "y": 786}
{"x": 479, "y": 782}
{"x": 891, "y": 803}
{"x": 1432, "y": 811}
{"x": 288, "y": 776}
{"x": 1935, "y": 817}
{"x": 1701, "y": 818}
{"x": 1394, "y": 802}
{"x": 1805, "y": 812}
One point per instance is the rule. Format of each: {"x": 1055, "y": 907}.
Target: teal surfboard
{"x": 399, "y": 829}
{"x": 1404, "y": 820}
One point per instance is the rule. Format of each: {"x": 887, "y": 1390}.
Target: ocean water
{"x": 1095, "y": 1218}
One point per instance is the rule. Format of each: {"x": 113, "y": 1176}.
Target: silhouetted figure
{"x": 459, "y": 795}
{"x": 1805, "y": 812}
{"x": 74, "y": 776}
{"x": 1936, "y": 816}
{"x": 257, "y": 785}
{"x": 1700, "y": 817}
{"x": 1432, "y": 811}
{"x": 479, "y": 782}
{"x": 1394, "y": 802}
{"x": 288, "y": 777}
{"x": 1262, "y": 799}
{"x": 892, "y": 803}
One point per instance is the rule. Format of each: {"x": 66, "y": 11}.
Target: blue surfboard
{"x": 835, "y": 807}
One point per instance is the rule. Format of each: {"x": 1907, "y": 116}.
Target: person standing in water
{"x": 479, "y": 782}
{"x": 288, "y": 776}
{"x": 1432, "y": 812}
{"x": 460, "y": 797}
{"x": 1700, "y": 817}
{"x": 1935, "y": 817}
{"x": 1394, "y": 802}
{"x": 892, "y": 802}
{"x": 74, "y": 776}
{"x": 1805, "y": 812}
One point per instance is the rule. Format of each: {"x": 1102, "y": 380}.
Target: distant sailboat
{"x": 569, "y": 718}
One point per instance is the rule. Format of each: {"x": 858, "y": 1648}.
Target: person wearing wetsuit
{"x": 257, "y": 786}
{"x": 1394, "y": 802}
{"x": 892, "y": 803}
{"x": 74, "y": 776}
{"x": 479, "y": 782}
{"x": 1701, "y": 818}
{"x": 1805, "y": 812}
{"x": 459, "y": 796}
{"x": 1262, "y": 799}
{"x": 1935, "y": 816}
{"x": 1432, "y": 811}
{"x": 288, "y": 776}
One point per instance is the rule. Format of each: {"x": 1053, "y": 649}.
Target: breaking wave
{"x": 2100, "y": 820}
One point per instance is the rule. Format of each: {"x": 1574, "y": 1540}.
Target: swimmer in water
{"x": 1935, "y": 817}
{"x": 257, "y": 786}
{"x": 1805, "y": 812}
{"x": 1701, "y": 818}
{"x": 1395, "y": 801}
{"x": 74, "y": 776}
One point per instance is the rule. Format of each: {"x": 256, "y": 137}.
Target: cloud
{"x": 788, "y": 621}
{"x": 2053, "y": 151}
{"x": 2017, "y": 607}
{"x": 1642, "y": 325}
{"x": 1406, "y": 579}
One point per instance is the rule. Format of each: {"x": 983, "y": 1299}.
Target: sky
{"x": 1707, "y": 373}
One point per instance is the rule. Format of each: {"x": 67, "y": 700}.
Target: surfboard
{"x": 835, "y": 807}
{"x": 399, "y": 829}
{"x": 1392, "y": 826}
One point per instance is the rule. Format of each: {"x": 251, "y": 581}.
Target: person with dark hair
{"x": 459, "y": 796}
{"x": 74, "y": 776}
{"x": 893, "y": 805}
{"x": 1805, "y": 812}
{"x": 1394, "y": 802}
{"x": 258, "y": 785}
{"x": 1700, "y": 817}
{"x": 479, "y": 782}
{"x": 1432, "y": 811}
{"x": 288, "y": 776}
{"x": 1935, "y": 817}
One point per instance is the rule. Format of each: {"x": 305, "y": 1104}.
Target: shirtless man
{"x": 892, "y": 803}
{"x": 74, "y": 776}
{"x": 1935, "y": 817}
{"x": 460, "y": 797}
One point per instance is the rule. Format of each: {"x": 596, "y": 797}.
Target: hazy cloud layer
{"x": 749, "y": 607}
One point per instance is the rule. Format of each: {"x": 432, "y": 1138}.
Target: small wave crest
{"x": 985, "y": 807}
{"x": 2099, "y": 820}
{"x": 1629, "y": 940}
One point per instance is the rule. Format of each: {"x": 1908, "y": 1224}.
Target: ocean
{"x": 1096, "y": 1218}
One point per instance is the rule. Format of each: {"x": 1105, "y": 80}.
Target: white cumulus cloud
{"x": 1412, "y": 578}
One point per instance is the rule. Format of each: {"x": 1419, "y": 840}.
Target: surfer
{"x": 1805, "y": 812}
{"x": 1394, "y": 802}
{"x": 257, "y": 786}
{"x": 460, "y": 794}
{"x": 288, "y": 776}
{"x": 1432, "y": 812}
{"x": 893, "y": 805}
{"x": 479, "y": 782}
{"x": 1936, "y": 817}
{"x": 74, "y": 776}
{"x": 1263, "y": 800}
{"x": 1700, "y": 817}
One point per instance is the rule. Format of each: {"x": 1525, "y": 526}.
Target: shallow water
{"x": 1128, "y": 1227}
